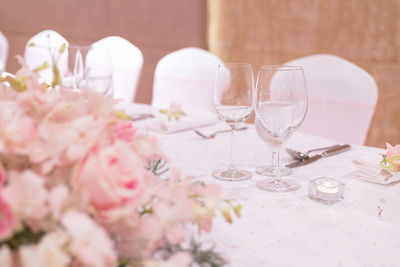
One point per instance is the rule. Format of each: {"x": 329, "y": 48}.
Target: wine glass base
{"x": 282, "y": 185}
{"x": 270, "y": 171}
{"x": 232, "y": 175}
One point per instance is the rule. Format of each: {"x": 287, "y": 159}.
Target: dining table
{"x": 292, "y": 229}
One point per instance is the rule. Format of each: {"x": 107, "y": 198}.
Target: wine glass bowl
{"x": 233, "y": 95}
{"x": 98, "y": 70}
{"x": 280, "y": 105}
{"x": 89, "y": 67}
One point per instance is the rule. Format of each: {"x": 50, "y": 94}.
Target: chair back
{"x": 127, "y": 63}
{"x": 3, "y": 52}
{"x": 44, "y": 47}
{"x": 187, "y": 77}
{"x": 342, "y": 98}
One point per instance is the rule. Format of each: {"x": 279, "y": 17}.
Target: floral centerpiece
{"x": 79, "y": 185}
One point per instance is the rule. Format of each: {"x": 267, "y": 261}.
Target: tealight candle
{"x": 326, "y": 190}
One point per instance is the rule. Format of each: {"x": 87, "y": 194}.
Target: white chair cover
{"x": 3, "y": 52}
{"x": 46, "y": 46}
{"x": 342, "y": 98}
{"x": 186, "y": 77}
{"x": 127, "y": 61}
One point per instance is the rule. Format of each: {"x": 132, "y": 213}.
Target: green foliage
{"x": 390, "y": 163}
{"x": 201, "y": 257}
{"x": 120, "y": 114}
{"x": 158, "y": 167}
{"x": 17, "y": 83}
{"x": 172, "y": 115}
{"x": 126, "y": 263}
{"x": 237, "y": 210}
{"x": 62, "y": 48}
{"x": 42, "y": 67}
{"x": 56, "y": 76}
{"x": 23, "y": 237}
{"x": 55, "y": 58}
{"x": 383, "y": 163}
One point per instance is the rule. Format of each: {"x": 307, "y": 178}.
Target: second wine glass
{"x": 233, "y": 93}
{"x": 280, "y": 106}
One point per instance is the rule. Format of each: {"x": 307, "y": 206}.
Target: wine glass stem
{"x": 232, "y": 160}
{"x": 276, "y": 155}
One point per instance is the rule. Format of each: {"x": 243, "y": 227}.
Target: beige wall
{"x": 157, "y": 27}
{"x": 366, "y": 32}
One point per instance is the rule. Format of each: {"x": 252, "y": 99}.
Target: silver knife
{"x": 327, "y": 153}
{"x": 141, "y": 116}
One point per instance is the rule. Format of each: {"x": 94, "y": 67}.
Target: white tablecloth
{"x": 289, "y": 229}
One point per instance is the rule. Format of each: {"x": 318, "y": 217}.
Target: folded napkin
{"x": 192, "y": 118}
{"x": 167, "y": 120}
{"x": 374, "y": 173}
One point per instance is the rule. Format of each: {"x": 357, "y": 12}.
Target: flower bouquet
{"x": 391, "y": 161}
{"x": 79, "y": 186}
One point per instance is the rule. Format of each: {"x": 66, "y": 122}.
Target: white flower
{"x": 49, "y": 252}
{"x": 28, "y": 197}
{"x": 5, "y": 256}
{"x": 90, "y": 244}
{"x": 58, "y": 199}
{"x": 180, "y": 259}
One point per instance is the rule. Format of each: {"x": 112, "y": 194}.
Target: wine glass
{"x": 98, "y": 70}
{"x": 89, "y": 67}
{"x": 233, "y": 94}
{"x": 75, "y": 67}
{"x": 280, "y": 105}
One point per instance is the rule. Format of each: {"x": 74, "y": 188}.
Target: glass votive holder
{"x": 326, "y": 190}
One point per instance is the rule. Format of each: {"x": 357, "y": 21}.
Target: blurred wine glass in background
{"x": 89, "y": 67}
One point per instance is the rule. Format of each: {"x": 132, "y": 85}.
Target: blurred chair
{"x": 342, "y": 98}
{"x": 127, "y": 62}
{"x": 186, "y": 76}
{"x": 3, "y": 52}
{"x": 44, "y": 47}
{"x": 4, "y": 74}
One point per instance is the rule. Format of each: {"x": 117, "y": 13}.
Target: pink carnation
{"x": 392, "y": 150}
{"x": 17, "y": 129}
{"x": 175, "y": 107}
{"x": 8, "y": 221}
{"x": 124, "y": 130}
{"x": 2, "y": 175}
{"x": 27, "y": 195}
{"x": 393, "y": 157}
{"x": 90, "y": 244}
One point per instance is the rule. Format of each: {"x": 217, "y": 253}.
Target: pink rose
{"x": 8, "y": 221}
{"x": 111, "y": 177}
{"x": 124, "y": 130}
